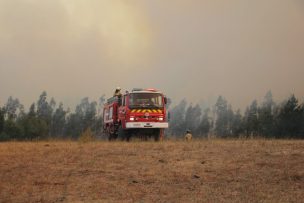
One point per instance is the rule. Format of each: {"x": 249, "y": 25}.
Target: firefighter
{"x": 117, "y": 92}
{"x": 188, "y": 136}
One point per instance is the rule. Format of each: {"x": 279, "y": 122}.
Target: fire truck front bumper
{"x": 146, "y": 125}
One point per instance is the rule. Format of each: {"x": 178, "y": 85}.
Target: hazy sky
{"x": 194, "y": 49}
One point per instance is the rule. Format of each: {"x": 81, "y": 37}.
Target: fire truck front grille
{"x": 147, "y": 117}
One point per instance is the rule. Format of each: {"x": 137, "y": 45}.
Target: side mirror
{"x": 165, "y": 100}
{"x": 169, "y": 115}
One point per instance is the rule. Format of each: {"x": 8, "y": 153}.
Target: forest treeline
{"x": 47, "y": 119}
{"x": 268, "y": 119}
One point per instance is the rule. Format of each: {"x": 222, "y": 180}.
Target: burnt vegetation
{"x": 47, "y": 119}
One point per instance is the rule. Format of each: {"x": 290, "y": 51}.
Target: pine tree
{"x": 11, "y": 108}
{"x": 1, "y": 120}
{"x": 205, "y": 125}
{"x": 289, "y": 121}
{"x": 83, "y": 118}
{"x": 33, "y": 126}
{"x": 230, "y": 118}
{"x": 45, "y": 111}
{"x": 302, "y": 122}
{"x": 192, "y": 118}
{"x": 221, "y": 122}
{"x": 265, "y": 112}
{"x": 11, "y": 128}
{"x": 59, "y": 121}
{"x": 177, "y": 123}
{"x": 237, "y": 126}
{"x": 251, "y": 119}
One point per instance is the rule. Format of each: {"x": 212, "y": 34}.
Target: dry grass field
{"x": 169, "y": 171}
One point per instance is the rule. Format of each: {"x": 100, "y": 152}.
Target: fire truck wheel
{"x": 122, "y": 135}
{"x": 111, "y": 137}
{"x": 157, "y": 135}
{"x": 128, "y": 137}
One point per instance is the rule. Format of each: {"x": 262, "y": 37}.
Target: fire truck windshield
{"x": 145, "y": 100}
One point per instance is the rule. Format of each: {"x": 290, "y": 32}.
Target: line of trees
{"x": 47, "y": 119}
{"x": 270, "y": 120}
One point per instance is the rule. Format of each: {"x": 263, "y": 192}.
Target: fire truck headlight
{"x": 131, "y": 118}
{"x": 160, "y": 118}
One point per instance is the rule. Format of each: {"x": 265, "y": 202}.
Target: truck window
{"x": 111, "y": 113}
{"x": 146, "y": 100}
{"x": 106, "y": 115}
{"x": 123, "y": 100}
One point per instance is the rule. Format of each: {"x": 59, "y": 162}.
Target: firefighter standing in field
{"x": 188, "y": 136}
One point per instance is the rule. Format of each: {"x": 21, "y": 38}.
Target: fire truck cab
{"x": 140, "y": 113}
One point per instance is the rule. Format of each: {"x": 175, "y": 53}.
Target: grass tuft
{"x": 87, "y": 136}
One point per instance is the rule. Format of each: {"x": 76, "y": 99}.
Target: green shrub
{"x": 4, "y": 137}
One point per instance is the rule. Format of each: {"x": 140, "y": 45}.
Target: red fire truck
{"x": 140, "y": 113}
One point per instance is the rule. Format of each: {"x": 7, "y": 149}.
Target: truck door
{"x": 122, "y": 111}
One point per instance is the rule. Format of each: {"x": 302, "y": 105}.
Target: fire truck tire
{"x": 111, "y": 137}
{"x": 157, "y": 135}
{"x": 122, "y": 135}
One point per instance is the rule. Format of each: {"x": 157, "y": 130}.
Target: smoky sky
{"x": 194, "y": 49}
